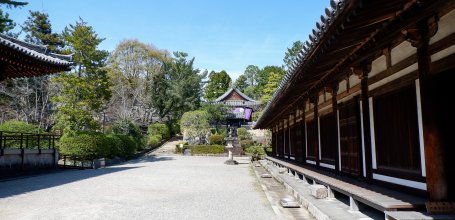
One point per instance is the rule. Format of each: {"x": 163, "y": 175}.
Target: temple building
{"x": 20, "y": 59}
{"x": 241, "y": 106}
{"x": 369, "y": 98}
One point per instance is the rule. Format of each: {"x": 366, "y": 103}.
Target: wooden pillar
{"x": 315, "y": 100}
{"x": 436, "y": 173}
{"x": 334, "y": 90}
{"x": 362, "y": 71}
{"x": 284, "y": 139}
{"x": 304, "y": 132}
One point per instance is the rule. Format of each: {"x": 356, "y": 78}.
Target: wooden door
{"x": 350, "y": 138}
{"x": 312, "y": 139}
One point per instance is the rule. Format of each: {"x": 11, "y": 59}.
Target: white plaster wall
{"x": 342, "y": 87}
{"x": 402, "y": 51}
{"x": 378, "y": 65}
{"x": 353, "y": 80}
{"x": 321, "y": 98}
{"x": 397, "y": 75}
{"x": 445, "y": 27}
{"x": 443, "y": 53}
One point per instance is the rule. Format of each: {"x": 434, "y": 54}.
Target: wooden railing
{"x": 21, "y": 140}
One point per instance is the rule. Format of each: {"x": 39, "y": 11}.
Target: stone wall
{"x": 13, "y": 160}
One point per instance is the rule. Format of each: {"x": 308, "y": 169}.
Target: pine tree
{"x": 218, "y": 84}
{"x": 82, "y": 94}
{"x": 38, "y": 30}
{"x": 7, "y": 24}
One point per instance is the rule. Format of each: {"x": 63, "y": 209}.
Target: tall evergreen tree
{"x": 270, "y": 87}
{"x": 82, "y": 94}
{"x": 291, "y": 54}
{"x": 241, "y": 83}
{"x": 219, "y": 83}
{"x": 38, "y": 30}
{"x": 7, "y": 24}
{"x": 177, "y": 88}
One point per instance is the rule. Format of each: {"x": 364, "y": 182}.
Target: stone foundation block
{"x": 318, "y": 191}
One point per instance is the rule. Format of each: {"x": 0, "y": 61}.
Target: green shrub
{"x": 255, "y": 149}
{"x": 268, "y": 150}
{"x": 154, "y": 140}
{"x": 243, "y": 134}
{"x": 159, "y": 129}
{"x": 87, "y": 145}
{"x": 19, "y": 126}
{"x": 246, "y": 143}
{"x": 115, "y": 146}
{"x": 129, "y": 145}
{"x": 181, "y": 150}
{"x": 217, "y": 139}
{"x": 130, "y": 129}
{"x": 222, "y": 131}
{"x": 207, "y": 149}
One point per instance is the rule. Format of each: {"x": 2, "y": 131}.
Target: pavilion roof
{"x": 22, "y": 59}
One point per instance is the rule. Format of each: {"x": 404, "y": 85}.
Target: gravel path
{"x": 152, "y": 187}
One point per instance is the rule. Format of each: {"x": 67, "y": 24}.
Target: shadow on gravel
{"x": 150, "y": 158}
{"x": 34, "y": 183}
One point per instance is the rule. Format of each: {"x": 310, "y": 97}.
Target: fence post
{"x": 1, "y": 145}
{"x": 22, "y": 140}
{"x": 39, "y": 140}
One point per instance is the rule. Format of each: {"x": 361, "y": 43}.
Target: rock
{"x": 318, "y": 191}
{"x": 266, "y": 175}
{"x": 289, "y": 203}
{"x": 282, "y": 170}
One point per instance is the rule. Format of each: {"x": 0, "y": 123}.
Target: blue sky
{"x": 222, "y": 35}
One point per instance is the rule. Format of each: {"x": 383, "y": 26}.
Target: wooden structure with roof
{"x": 369, "y": 96}
{"x": 20, "y": 59}
{"x": 242, "y": 106}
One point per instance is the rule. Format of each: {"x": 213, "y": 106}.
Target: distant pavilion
{"x": 242, "y": 106}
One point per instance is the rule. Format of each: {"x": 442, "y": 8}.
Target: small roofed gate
{"x": 350, "y": 138}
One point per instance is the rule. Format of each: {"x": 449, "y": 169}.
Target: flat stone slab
{"x": 266, "y": 175}
{"x": 289, "y": 203}
{"x": 231, "y": 162}
{"x": 318, "y": 191}
{"x": 411, "y": 215}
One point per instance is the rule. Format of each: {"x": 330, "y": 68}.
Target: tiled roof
{"x": 38, "y": 52}
{"x": 331, "y": 13}
{"x": 222, "y": 97}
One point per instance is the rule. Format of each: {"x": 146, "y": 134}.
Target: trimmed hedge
{"x": 217, "y": 139}
{"x": 23, "y": 127}
{"x": 246, "y": 143}
{"x": 179, "y": 150}
{"x": 244, "y": 134}
{"x": 207, "y": 149}
{"x": 129, "y": 145}
{"x": 256, "y": 149}
{"x": 154, "y": 140}
{"x": 92, "y": 145}
{"x": 19, "y": 126}
{"x": 87, "y": 145}
{"x": 132, "y": 130}
{"x": 159, "y": 129}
